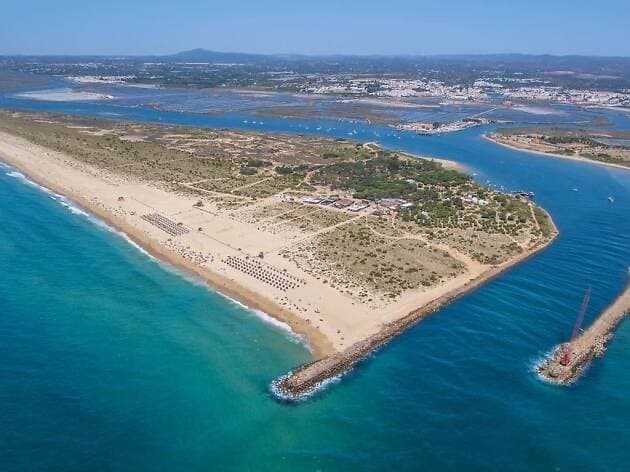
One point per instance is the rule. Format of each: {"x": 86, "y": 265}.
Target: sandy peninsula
{"x": 527, "y": 144}
{"x": 305, "y": 229}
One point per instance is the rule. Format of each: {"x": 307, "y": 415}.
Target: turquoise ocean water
{"x": 110, "y": 360}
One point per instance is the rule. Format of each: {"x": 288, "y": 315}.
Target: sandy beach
{"x": 330, "y": 319}
{"x": 20, "y": 154}
{"x": 561, "y": 156}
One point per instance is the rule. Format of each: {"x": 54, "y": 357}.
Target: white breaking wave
{"x": 270, "y": 320}
{"x": 74, "y": 209}
{"x": 540, "y": 361}
{"x": 18, "y": 175}
{"x": 317, "y": 388}
{"x": 293, "y": 336}
{"x": 63, "y": 201}
{"x": 544, "y": 358}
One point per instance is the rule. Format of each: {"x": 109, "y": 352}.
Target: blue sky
{"x": 316, "y": 27}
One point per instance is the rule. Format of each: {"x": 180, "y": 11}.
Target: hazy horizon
{"x": 405, "y": 27}
{"x": 297, "y": 54}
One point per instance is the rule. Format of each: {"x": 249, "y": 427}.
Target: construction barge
{"x": 569, "y": 359}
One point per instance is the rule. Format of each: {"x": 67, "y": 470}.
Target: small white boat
{"x": 611, "y": 199}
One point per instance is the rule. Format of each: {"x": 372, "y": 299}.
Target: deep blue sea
{"x": 111, "y": 360}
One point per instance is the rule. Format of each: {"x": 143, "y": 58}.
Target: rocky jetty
{"x": 308, "y": 377}
{"x": 569, "y": 359}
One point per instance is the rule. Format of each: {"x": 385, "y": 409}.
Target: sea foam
{"x": 318, "y": 388}
{"x": 271, "y": 321}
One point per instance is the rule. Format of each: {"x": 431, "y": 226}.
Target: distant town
{"x": 482, "y": 90}
{"x": 585, "y": 81}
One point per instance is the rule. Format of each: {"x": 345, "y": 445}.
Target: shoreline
{"x": 30, "y": 159}
{"x": 560, "y": 156}
{"x": 446, "y": 163}
{"x": 308, "y": 377}
{"x": 316, "y": 341}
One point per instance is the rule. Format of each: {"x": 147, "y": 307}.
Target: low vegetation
{"x": 374, "y": 255}
{"x": 586, "y": 144}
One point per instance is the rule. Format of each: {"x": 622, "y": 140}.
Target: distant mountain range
{"x": 206, "y": 55}
{"x": 558, "y": 64}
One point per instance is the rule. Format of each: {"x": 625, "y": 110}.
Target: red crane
{"x": 566, "y": 358}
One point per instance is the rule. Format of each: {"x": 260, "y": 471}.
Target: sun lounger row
{"x": 264, "y": 272}
{"x": 283, "y": 273}
{"x": 166, "y": 224}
